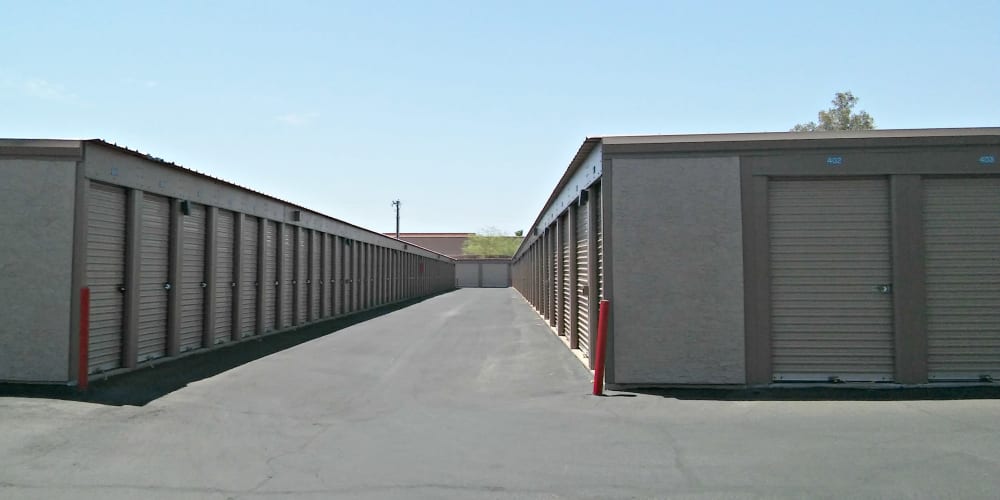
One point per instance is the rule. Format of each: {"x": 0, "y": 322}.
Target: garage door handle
{"x": 884, "y": 289}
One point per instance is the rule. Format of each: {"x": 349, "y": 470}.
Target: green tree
{"x": 491, "y": 242}
{"x": 840, "y": 116}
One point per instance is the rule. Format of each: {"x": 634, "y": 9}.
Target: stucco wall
{"x": 36, "y": 252}
{"x": 678, "y": 271}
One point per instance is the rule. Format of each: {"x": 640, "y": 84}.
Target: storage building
{"x": 174, "y": 261}
{"x": 754, "y": 259}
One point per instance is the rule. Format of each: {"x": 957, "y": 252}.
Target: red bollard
{"x": 82, "y": 375}
{"x": 602, "y": 335}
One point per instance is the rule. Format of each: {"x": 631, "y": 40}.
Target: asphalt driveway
{"x": 468, "y": 395}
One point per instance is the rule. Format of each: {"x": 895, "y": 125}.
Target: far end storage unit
{"x": 753, "y": 259}
{"x": 482, "y": 273}
{"x": 174, "y": 261}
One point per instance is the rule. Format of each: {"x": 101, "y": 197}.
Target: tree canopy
{"x": 491, "y": 242}
{"x": 839, "y": 117}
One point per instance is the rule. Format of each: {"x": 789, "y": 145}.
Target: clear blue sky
{"x": 469, "y": 111}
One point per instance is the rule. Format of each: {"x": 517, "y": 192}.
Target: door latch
{"x": 884, "y": 288}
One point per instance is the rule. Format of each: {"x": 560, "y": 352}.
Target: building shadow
{"x": 154, "y": 380}
{"x": 826, "y": 393}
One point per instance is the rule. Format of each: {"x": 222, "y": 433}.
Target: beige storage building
{"x": 174, "y": 261}
{"x": 755, "y": 259}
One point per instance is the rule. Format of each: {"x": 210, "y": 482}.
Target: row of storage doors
{"x": 295, "y": 276}
{"x": 831, "y": 279}
{"x": 561, "y": 273}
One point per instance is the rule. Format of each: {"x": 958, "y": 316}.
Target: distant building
{"x": 473, "y": 271}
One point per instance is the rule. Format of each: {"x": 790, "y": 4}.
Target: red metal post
{"x": 82, "y": 374}
{"x": 602, "y": 335}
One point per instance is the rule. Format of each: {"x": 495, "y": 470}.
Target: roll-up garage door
{"x": 962, "y": 240}
{"x": 564, "y": 281}
{"x": 582, "y": 277}
{"x": 831, "y": 310}
{"x": 365, "y": 275}
{"x": 372, "y": 276}
{"x": 327, "y": 276}
{"x": 315, "y": 279}
{"x": 192, "y": 276}
{"x": 553, "y": 280}
{"x": 270, "y": 275}
{"x": 301, "y": 275}
{"x": 287, "y": 274}
{"x": 467, "y": 274}
{"x": 495, "y": 274}
{"x": 360, "y": 276}
{"x": 153, "y": 276}
{"x": 336, "y": 287}
{"x": 599, "y": 224}
{"x": 105, "y": 275}
{"x": 224, "y": 276}
{"x": 249, "y": 281}
{"x": 376, "y": 276}
{"x": 345, "y": 276}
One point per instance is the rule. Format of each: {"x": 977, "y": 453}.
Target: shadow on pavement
{"x": 151, "y": 382}
{"x": 826, "y": 393}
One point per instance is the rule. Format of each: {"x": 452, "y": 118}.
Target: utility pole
{"x": 395, "y": 203}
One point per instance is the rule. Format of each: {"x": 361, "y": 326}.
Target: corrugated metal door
{"x": 564, "y": 281}
{"x": 495, "y": 274}
{"x": 376, "y": 275}
{"x": 363, "y": 276}
{"x": 287, "y": 275}
{"x": 380, "y": 275}
{"x": 224, "y": 278}
{"x": 371, "y": 264}
{"x": 153, "y": 276}
{"x": 301, "y": 275}
{"x": 582, "y": 277}
{"x": 830, "y": 257}
{"x": 106, "y": 209}
{"x": 345, "y": 276}
{"x": 599, "y": 224}
{"x": 962, "y": 239}
{"x": 193, "y": 276}
{"x": 249, "y": 281}
{"x": 315, "y": 279}
{"x": 467, "y": 274}
{"x": 327, "y": 276}
{"x": 337, "y": 288}
{"x": 555, "y": 262}
{"x": 270, "y": 275}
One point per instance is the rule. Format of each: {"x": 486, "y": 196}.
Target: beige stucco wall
{"x": 678, "y": 271}
{"x": 36, "y": 252}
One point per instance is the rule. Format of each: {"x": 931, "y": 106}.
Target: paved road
{"x": 467, "y": 395}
